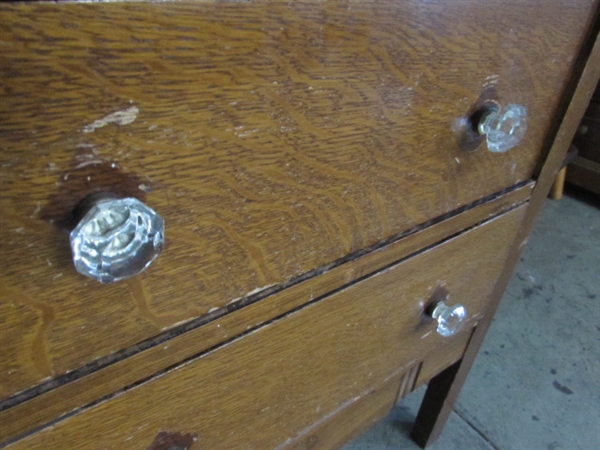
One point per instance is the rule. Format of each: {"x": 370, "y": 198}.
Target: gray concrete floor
{"x": 536, "y": 382}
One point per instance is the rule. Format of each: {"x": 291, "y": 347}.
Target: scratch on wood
{"x": 123, "y": 117}
{"x": 88, "y": 163}
{"x": 248, "y": 294}
{"x": 426, "y": 334}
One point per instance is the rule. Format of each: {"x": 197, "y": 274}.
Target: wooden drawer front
{"x": 273, "y": 137}
{"x": 271, "y": 386}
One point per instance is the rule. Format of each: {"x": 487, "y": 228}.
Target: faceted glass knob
{"x": 116, "y": 239}
{"x": 450, "y": 319}
{"x": 504, "y": 127}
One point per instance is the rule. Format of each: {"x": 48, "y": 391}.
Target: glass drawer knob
{"x": 450, "y": 319}
{"x": 503, "y": 127}
{"x": 116, "y": 238}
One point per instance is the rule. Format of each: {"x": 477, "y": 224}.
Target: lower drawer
{"x": 272, "y": 386}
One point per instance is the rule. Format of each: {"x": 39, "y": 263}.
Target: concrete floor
{"x": 536, "y": 382}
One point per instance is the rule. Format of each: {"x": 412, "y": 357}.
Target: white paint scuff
{"x": 123, "y": 117}
{"x": 248, "y": 294}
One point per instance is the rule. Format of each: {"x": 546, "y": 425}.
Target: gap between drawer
{"x": 89, "y": 385}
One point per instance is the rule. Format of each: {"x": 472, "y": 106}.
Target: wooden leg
{"x": 436, "y": 406}
{"x": 442, "y": 392}
{"x": 444, "y": 388}
{"x": 559, "y": 183}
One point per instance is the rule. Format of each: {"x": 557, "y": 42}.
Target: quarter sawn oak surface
{"x": 274, "y": 385}
{"x": 273, "y": 138}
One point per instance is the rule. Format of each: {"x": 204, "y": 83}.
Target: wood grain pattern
{"x": 166, "y": 353}
{"x": 274, "y": 138}
{"x": 444, "y": 389}
{"x": 284, "y": 377}
{"x": 334, "y": 431}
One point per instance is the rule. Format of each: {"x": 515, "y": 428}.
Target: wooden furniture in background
{"x": 322, "y": 184}
{"x": 556, "y": 192}
{"x": 584, "y": 166}
{"x": 584, "y": 171}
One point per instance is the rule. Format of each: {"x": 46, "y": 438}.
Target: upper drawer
{"x": 273, "y": 139}
{"x": 271, "y": 385}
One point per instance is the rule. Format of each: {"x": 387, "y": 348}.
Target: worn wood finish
{"x": 443, "y": 358}
{"x": 284, "y": 377}
{"x": 444, "y": 389}
{"x": 337, "y": 429}
{"x": 407, "y": 384}
{"x": 168, "y": 352}
{"x": 274, "y": 138}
